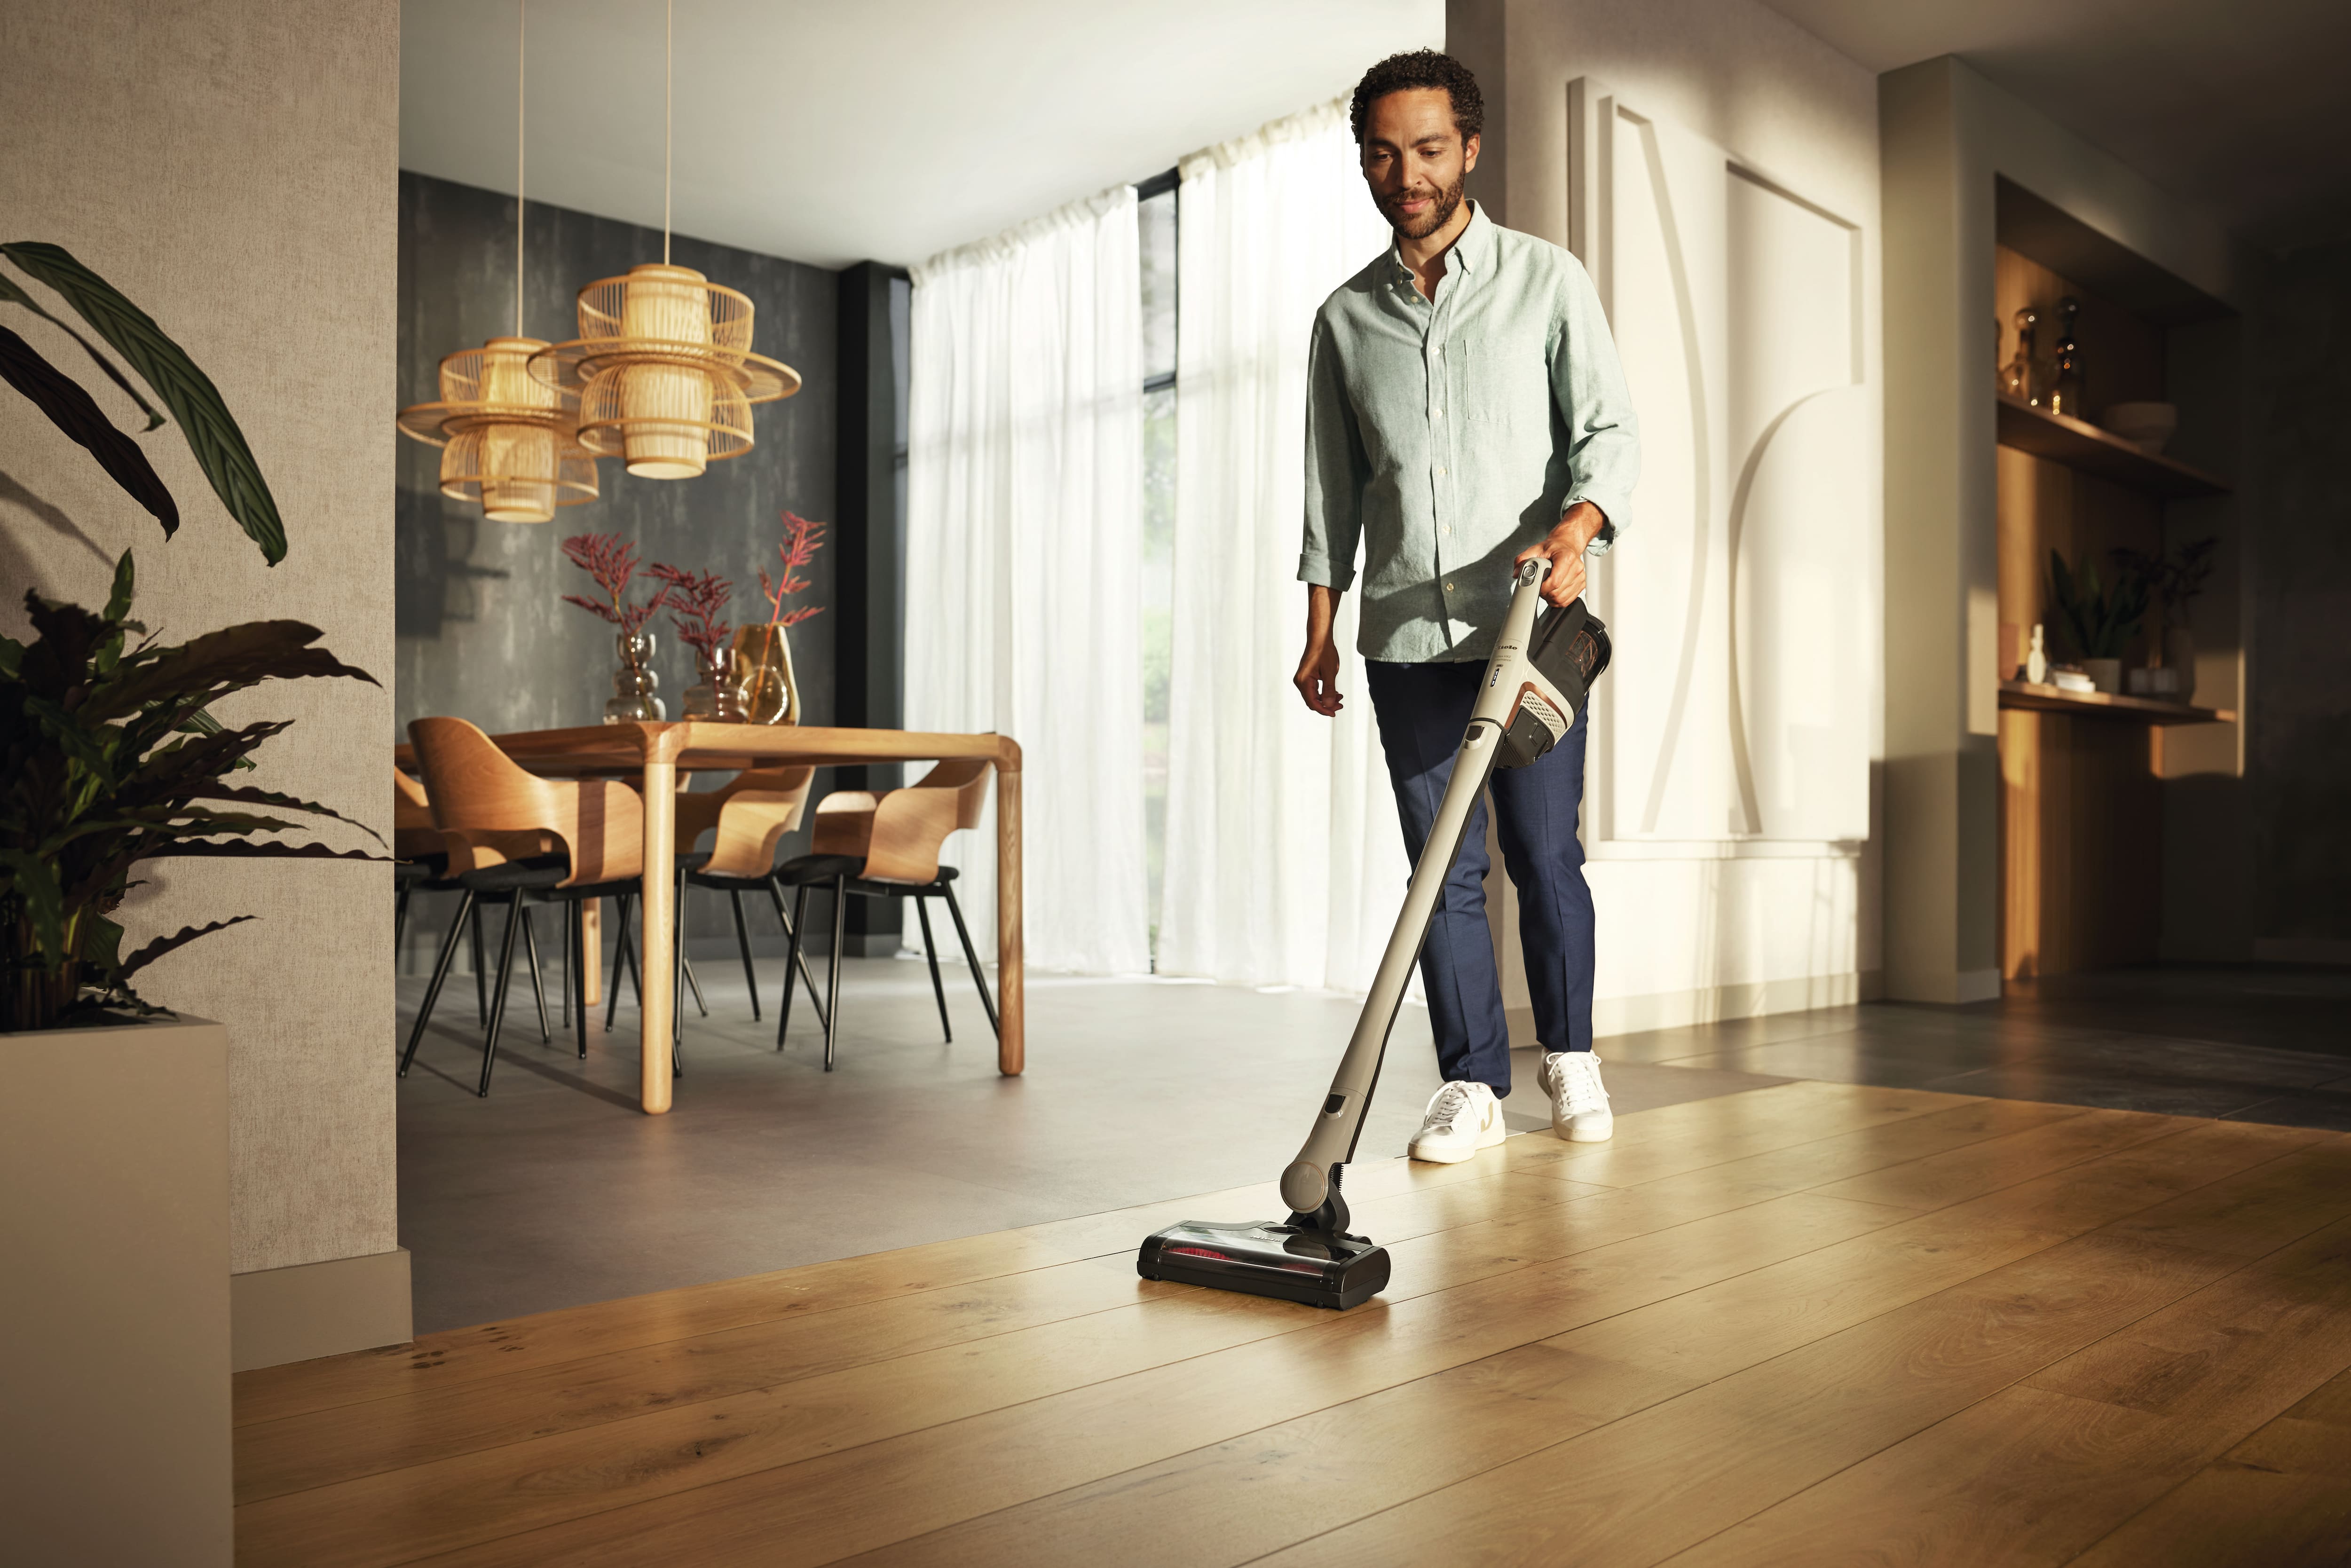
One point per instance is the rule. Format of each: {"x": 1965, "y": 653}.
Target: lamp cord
{"x": 522, "y": 24}
{"x": 669, "y": 80}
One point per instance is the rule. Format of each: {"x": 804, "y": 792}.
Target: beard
{"x": 1440, "y": 211}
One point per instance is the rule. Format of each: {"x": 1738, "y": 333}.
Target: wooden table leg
{"x": 1011, "y": 1045}
{"x": 658, "y": 906}
{"x": 591, "y": 970}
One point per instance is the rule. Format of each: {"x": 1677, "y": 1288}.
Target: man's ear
{"x": 1469, "y": 152}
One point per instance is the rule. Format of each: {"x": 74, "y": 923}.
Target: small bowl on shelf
{"x": 2146, "y": 425}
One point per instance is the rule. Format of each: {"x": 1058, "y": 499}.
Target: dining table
{"x": 657, "y": 754}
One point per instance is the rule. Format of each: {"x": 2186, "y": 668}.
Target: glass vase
{"x": 633, "y": 683}
{"x": 763, "y": 687}
{"x": 718, "y": 697}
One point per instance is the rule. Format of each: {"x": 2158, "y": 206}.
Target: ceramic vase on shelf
{"x": 635, "y": 682}
{"x": 2036, "y": 663}
{"x": 2179, "y": 655}
{"x": 765, "y": 690}
{"x": 718, "y": 695}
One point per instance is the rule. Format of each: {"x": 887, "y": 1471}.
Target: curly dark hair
{"x": 1421, "y": 68}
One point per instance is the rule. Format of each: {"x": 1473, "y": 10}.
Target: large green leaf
{"x": 73, "y": 411}
{"x": 34, "y": 882}
{"x": 212, "y": 434}
{"x": 229, "y": 659}
{"x": 16, "y": 295}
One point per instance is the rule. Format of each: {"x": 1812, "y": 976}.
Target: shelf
{"x": 2104, "y": 704}
{"x": 2093, "y": 451}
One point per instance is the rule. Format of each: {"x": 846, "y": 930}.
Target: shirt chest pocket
{"x": 1502, "y": 382}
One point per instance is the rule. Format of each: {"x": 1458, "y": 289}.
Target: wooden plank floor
{"x": 1814, "y": 1322}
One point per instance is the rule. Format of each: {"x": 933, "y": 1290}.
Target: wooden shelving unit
{"x": 2108, "y": 704}
{"x": 2089, "y": 450}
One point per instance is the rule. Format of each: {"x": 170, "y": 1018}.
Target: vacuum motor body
{"x": 1268, "y": 1257}
{"x": 1569, "y": 650}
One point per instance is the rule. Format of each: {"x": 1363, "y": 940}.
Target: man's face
{"x": 1414, "y": 159}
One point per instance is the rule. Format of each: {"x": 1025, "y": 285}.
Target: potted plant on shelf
{"x": 2099, "y": 624}
{"x": 114, "y": 1135}
{"x": 698, "y": 604}
{"x": 763, "y": 654}
{"x": 2174, "y": 578}
{"x": 611, "y": 561}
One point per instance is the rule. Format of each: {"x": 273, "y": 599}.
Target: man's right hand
{"x": 1318, "y": 672}
{"x": 1318, "y": 675}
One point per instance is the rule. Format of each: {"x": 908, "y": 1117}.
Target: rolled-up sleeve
{"x": 1587, "y": 381}
{"x": 1336, "y": 469}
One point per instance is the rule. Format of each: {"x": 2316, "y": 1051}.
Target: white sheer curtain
{"x": 1024, "y": 558}
{"x": 1284, "y": 863}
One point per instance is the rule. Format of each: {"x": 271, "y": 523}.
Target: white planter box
{"x": 114, "y": 1315}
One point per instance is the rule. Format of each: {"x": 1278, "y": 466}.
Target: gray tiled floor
{"x": 555, "y": 1191}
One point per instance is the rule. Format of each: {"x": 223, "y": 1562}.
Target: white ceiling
{"x": 839, "y": 131}
{"x": 2238, "y": 107}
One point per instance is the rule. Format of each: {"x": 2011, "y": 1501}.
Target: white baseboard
{"x": 1706, "y": 1004}
{"x": 299, "y": 1313}
{"x": 2301, "y": 950}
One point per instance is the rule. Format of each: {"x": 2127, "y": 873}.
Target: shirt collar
{"x": 1474, "y": 251}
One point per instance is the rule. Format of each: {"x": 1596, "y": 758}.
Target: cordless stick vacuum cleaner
{"x": 1536, "y": 684}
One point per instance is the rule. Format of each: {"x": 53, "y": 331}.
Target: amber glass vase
{"x": 633, "y": 684}
{"x": 763, "y": 687}
{"x": 717, "y": 695}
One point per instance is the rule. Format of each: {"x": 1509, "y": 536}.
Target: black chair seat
{"x": 806, "y": 870}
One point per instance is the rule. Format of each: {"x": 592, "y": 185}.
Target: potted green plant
{"x": 114, "y": 1133}
{"x": 108, "y": 755}
{"x": 2099, "y": 624}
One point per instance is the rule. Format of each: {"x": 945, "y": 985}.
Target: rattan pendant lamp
{"x": 663, "y": 367}
{"x": 508, "y": 440}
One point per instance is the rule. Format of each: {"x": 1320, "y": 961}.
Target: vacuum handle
{"x": 1308, "y": 1182}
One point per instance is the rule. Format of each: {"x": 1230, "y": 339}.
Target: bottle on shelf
{"x": 2066, "y": 365}
{"x": 2017, "y": 380}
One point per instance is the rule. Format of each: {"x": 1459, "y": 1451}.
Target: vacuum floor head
{"x": 1268, "y": 1259}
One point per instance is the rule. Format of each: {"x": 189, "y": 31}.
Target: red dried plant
{"x": 802, "y": 540}
{"x": 697, "y": 607}
{"x": 613, "y": 562}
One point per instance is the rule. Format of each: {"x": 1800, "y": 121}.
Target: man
{"x": 1464, "y": 413}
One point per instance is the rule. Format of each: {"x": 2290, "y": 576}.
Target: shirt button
{"x": 1441, "y": 472}
{"x": 1448, "y": 587}
{"x": 1436, "y": 413}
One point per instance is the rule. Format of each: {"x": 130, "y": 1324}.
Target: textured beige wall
{"x": 233, "y": 166}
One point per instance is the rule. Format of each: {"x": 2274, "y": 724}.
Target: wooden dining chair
{"x": 421, "y": 864}
{"x": 866, "y": 846}
{"x": 749, "y": 816}
{"x": 512, "y": 834}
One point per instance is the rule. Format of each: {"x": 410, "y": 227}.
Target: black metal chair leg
{"x": 481, "y": 970}
{"x": 794, "y": 963}
{"x": 498, "y": 1002}
{"x": 569, "y": 948}
{"x": 678, "y": 980}
{"x": 833, "y": 971}
{"x": 796, "y": 958}
{"x": 575, "y": 975}
{"x": 538, "y": 986}
{"x": 622, "y": 958}
{"x": 686, "y": 965}
{"x": 743, "y": 940}
{"x": 931, "y": 951}
{"x": 440, "y": 973}
{"x": 979, "y": 977}
{"x": 398, "y": 925}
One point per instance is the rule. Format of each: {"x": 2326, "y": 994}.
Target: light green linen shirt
{"x": 1446, "y": 435}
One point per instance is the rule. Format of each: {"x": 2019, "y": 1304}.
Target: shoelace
{"x": 1447, "y": 1105}
{"x": 1580, "y": 1083}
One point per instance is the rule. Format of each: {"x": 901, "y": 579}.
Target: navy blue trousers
{"x": 1423, "y": 710}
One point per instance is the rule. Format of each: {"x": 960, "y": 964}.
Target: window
{"x": 1157, "y": 217}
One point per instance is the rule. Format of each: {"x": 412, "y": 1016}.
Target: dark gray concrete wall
{"x": 2299, "y": 761}
{"x": 483, "y": 631}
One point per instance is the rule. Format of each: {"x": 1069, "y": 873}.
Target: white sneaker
{"x": 1462, "y": 1119}
{"x": 1579, "y": 1104}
